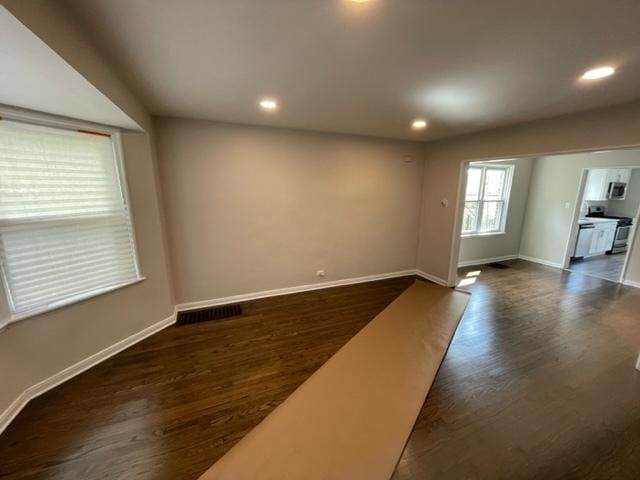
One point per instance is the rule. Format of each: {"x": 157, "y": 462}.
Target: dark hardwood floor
{"x": 170, "y": 406}
{"x": 539, "y": 382}
{"x": 608, "y": 267}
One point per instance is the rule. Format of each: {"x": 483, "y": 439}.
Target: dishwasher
{"x": 583, "y": 243}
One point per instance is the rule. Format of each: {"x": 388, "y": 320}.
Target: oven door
{"x": 622, "y": 236}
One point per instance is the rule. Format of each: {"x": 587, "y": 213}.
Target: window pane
{"x": 491, "y": 216}
{"x": 469, "y": 220}
{"x": 65, "y": 229}
{"x": 50, "y": 262}
{"x": 47, "y": 173}
{"x": 474, "y": 176}
{"x": 494, "y": 181}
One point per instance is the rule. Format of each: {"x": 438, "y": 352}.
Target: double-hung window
{"x": 65, "y": 227}
{"x": 486, "y": 199}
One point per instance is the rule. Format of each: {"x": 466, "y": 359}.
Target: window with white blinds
{"x": 486, "y": 199}
{"x": 65, "y": 228}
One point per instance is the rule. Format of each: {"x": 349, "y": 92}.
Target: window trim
{"x": 510, "y": 169}
{"x": 52, "y": 121}
{"x": 16, "y": 317}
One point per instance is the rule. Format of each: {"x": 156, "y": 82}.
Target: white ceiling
{"x": 370, "y": 68}
{"x": 33, "y": 76}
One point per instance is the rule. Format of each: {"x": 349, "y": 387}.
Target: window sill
{"x": 487, "y": 234}
{"x": 16, "y": 317}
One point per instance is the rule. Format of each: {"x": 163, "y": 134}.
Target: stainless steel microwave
{"x": 617, "y": 191}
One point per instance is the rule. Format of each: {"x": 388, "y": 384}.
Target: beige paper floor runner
{"x": 351, "y": 419}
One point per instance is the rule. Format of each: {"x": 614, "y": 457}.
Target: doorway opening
{"x": 608, "y": 212}
{"x": 573, "y": 211}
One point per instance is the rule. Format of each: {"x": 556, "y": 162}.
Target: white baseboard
{"x": 541, "y": 261}
{"x": 483, "y": 261}
{"x": 13, "y": 410}
{"x": 432, "y": 278}
{"x": 631, "y": 283}
{"x": 53, "y": 381}
{"x": 39, "y": 388}
{"x": 288, "y": 290}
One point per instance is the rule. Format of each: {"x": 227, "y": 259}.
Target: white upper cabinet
{"x": 597, "y": 185}
{"x": 598, "y": 180}
{"x": 620, "y": 175}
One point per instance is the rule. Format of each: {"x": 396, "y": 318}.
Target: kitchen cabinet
{"x": 597, "y": 185}
{"x": 622, "y": 175}
{"x": 595, "y": 237}
{"x": 602, "y": 238}
{"x": 598, "y": 180}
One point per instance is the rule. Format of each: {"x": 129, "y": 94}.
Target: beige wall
{"x": 34, "y": 349}
{"x": 252, "y": 209}
{"x": 553, "y": 193}
{"x": 266, "y": 208}
{"x": 597, "y": 129}
{"x": 481, "y": 247}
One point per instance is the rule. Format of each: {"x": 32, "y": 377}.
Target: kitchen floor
{"x": 608, "y": 267}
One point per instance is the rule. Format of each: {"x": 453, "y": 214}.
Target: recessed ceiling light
{"x": 598, "y": 73}
{"x": 268, "y": 104}
{"x": 419, "y": 124}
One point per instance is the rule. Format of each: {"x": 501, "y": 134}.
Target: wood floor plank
{"x": 352, "y": 417}
{"x": 608, "y": 267}
{"x": 539, "y": 382}
{"x": 170, "y": 406}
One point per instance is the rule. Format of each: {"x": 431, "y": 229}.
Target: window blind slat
{"x": 33, "y": 258}
{"x": 20, "y": 198}
{"x": 10, "y": 156}
{"x": 49, "y": 239}
{"x": 54, "y": 296}
{"x": 82, "y": 279}
{"x": 26, "y": 276}
{"x": 11, "y": 165}
{"x": 65, "y": 229}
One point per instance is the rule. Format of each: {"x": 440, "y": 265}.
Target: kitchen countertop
{"x": 582, "y": 221}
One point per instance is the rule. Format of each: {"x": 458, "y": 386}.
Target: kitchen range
{"x": 600, "y": 234}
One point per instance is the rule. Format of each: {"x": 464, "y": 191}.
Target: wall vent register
{"x": 65, "y": 226}
{"x": 209, "y": 313}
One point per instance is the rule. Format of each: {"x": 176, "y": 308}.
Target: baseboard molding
{"x": 68, "y": 373}
{"x": 631, "y": 283}
{"x": 13, "y": 410}
{"x": 39, "y": 388}
{"x": 432, "y": 278}
{"x": 484, "y": 261}
{"x": 289, "y": 290}
{"x": 541, "y": 261}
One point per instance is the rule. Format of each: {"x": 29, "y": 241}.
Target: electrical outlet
{"x": 320, "y": 273}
